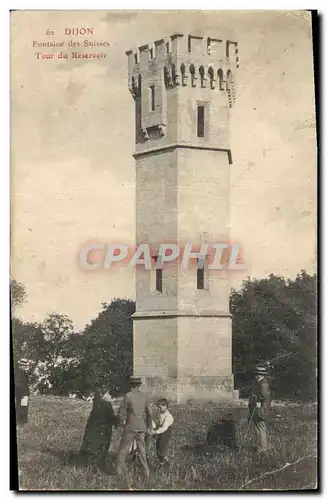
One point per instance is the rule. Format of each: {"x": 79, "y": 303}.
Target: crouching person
{"x": 223, "y": 433}
{"x": 163, "y": 431}
{"x": 98, "y": 430}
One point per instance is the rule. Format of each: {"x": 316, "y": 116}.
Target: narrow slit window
{"x": 151, "y": 53}
{"x": 189, "y": 43}
{"x": 209, "y": 46}
{"x": 152, "y": 98}
{"x": 200, "y": 279}
{"x": 159, "y": 280}
{"x": 200, "y": 121}
{"x": 167, "y": 48}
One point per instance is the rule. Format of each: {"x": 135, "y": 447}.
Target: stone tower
{"x": 183, "y": 87}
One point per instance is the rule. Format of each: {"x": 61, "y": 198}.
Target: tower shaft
{"x": 183, "y": 88}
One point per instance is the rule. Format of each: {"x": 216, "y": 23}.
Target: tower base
{"x": 182, "y": 390}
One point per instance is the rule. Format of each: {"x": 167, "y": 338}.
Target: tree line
{"x": 273, "y": 319}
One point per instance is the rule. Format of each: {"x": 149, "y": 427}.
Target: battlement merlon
{"x": 191, "y": 51}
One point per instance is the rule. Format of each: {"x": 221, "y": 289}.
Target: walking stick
{"x": 134, "y": 468}
{"x": 248, "y": 429}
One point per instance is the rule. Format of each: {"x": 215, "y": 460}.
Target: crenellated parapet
{"x": 205, "y": 77}
{"x": 185, "y": 61}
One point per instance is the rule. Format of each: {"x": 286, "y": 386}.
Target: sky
{"x": 72, "y": 140}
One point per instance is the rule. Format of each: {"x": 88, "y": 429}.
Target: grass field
{"x": 48, "y": 444}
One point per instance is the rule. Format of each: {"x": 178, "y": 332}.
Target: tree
{"x": 18, "y": 294}
{"x": 107, "y": 349}
{"x": 28, "y": 340}
{"x": 54, "y": 370}
{"x": 273, "y": 317}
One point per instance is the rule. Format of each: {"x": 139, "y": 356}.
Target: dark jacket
{"x": 98, "y": 428}
{"x": 260, "y": 401}
{"x": 21, "y": 384}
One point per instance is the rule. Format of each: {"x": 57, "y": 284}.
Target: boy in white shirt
{"x": 163, "y": 430}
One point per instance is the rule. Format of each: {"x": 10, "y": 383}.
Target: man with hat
{"x": 21, "y": 391}
{"x": 135, "y": 415}
{"x": 259, "y": 407}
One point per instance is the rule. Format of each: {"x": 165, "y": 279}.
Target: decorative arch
{"x": 193, "y": 77}
{"x": 175, "y": 76}
{"x": 211, "y": 74}
{"x": 202, "y": 76}
{"x": 139, "y": 84}
{"x": 221, "y": 82}
{"x": 166, "y": 77}
{"x": 183, "y": 73}
{"x": 229, "y": 79}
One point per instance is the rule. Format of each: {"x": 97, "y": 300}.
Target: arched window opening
{"x": 166, "y": 77}
{"x": 158, "y": 269}
{"x": 193, "y": 78}
{"x": 159, "y": 280}
{"x": 200, "y": 120}
{"x": 229, "y": 79}
{"x": 221, "y": 79}
{"x": 152, "y": 52}
{"x": 212, "y": 78}
{"x": 201, "y": 71}
{"x": 139, "y": 81}
{"x": 183, "y": 74}
{"x": 152, "y": 98}
{"x": 209, "y": 46}
{"x": 173, "y": 73}
{"x": 200, "y": 274}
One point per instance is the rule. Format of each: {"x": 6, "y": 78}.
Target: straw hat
{"x": 135, "y": 380}
{"x": 23, "y": 362}
{"x": 261, "y": 370}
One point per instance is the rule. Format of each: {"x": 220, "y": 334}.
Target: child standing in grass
{"x": 163, "y": 430}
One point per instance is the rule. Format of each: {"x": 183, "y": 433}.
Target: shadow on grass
{"x": 206, "y": 450}
{"x": 74, "y": 458}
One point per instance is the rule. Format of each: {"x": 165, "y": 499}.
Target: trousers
{"x": 162, "y": 442}
{"x": 125, "y": 445}
{"x": 260, "y": 435}
{"x": 21, "y": 414}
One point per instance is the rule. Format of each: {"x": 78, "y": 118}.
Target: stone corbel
{"x": 203, "y": 82}
{"x": 162, "y": 130}
{"x": 145, "y": 133}
{"x": 171, "y": 77}
{"x": 184, "y": 80}
{"x": 168, "y": 79}
{"x": 177, "y": 79}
